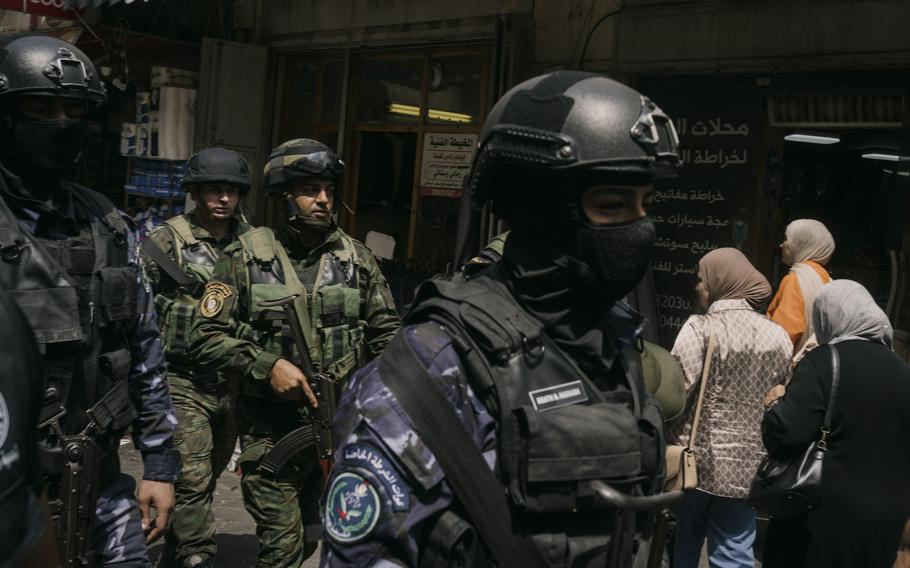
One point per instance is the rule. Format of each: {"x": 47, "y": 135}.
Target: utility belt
{"x": 182, "y": 370}
{"x": 79, "y": 465}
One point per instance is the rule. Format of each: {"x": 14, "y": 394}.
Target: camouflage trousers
{"x": 282, "y": 505}
{"x": 205, "y": 437}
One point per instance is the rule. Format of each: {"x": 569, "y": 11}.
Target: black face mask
{"x": 618, "y": 255}
{"x": 42, "y": 145}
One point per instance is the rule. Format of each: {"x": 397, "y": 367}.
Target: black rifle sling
{"x": 479, "y": 492}
{"x": 171, "y": 268}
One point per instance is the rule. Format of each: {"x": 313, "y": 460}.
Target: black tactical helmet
{"x": 572, "y": 122}
{"x": 40, "y": 64}
{"x": 217, "y": 165}
{"x": 300, "y": 158}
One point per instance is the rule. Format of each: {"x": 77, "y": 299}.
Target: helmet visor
{"x": 317, "y": 163}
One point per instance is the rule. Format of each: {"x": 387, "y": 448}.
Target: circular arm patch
{"x": 213, "y": 299}
{"x": 352, "y": 508}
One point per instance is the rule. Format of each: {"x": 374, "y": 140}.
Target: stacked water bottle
{"x": 156, "y": 178}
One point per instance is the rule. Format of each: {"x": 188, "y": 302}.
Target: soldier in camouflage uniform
{"x": 217, "y": 179}
{"x": 346, "y": 313}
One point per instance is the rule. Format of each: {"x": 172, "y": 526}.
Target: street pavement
{"x": 235, "y": 530}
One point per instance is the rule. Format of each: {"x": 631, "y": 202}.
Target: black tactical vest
{"x": 79, "y": 295}
{"x": 557, "y": 428}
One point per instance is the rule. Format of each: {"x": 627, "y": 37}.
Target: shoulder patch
{"x": 367, "y": 457}
{"x": 352, "y": 508}
{"x": 4, "y": 422}
{"x": 213, "y": 299}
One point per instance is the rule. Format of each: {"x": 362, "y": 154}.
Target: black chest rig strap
{"x": 466, "y": 471}
{"x": 190, "y": 284}
{"x": 558, "y": 431}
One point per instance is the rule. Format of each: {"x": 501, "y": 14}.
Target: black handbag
{"x": 783, "y": 489}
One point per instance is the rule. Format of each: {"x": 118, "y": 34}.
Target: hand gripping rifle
{"x": 317, "y": 428}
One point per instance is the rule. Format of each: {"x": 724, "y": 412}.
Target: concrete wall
{"x": 323, "y": 23}
{"x": 647, "y": 36}
{"x": 743, "y": 35}
{"x": 560, "y": 30}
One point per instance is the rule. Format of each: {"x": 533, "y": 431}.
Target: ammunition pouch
{"x": 337, "y": 308}
{"x": 452, "y": 542}
{"x": 558, "y": 450}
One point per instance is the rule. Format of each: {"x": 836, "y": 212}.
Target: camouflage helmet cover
{"x": 301, "y": 158}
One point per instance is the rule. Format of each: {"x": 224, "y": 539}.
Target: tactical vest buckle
{"x": 11, "y": 254}
{"x": 533, "y": 348}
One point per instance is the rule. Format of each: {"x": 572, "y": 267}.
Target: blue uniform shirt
{"x": 153, "y": 429}
{"x": 386, "y": 487}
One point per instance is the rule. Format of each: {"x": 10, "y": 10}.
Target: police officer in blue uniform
{"x": 23, "y": 518}
{"x": 69, "y": 259}
{"x": 508, "y": 423}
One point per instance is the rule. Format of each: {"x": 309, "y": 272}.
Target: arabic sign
{"x": 706, "y": 207}
{"x": 446, "y": 162}
{"x": 51, "y": 8}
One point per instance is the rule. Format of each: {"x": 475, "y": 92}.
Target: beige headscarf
{"x": 808, "y": 239}
{"x": 728, "y": 275}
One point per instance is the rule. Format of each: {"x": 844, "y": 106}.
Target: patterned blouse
{"x": 751, "y": 354}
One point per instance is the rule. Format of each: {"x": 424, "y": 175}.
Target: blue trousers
{"x": 728, "y": 524}
{"x": 119, "y": 540}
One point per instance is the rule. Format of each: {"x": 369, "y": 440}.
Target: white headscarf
{"x": 844, "y": 310}
{"x": 808, "y": 239}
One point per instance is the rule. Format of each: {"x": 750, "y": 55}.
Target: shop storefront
{"x": 406, "y": 122}
{"x": 763, "y": 149}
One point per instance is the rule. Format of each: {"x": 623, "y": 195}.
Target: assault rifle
{"x": 317, "y": 428}
{"x": 73, "y": 465}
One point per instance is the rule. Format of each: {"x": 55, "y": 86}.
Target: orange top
{"x": 787, "y": 307}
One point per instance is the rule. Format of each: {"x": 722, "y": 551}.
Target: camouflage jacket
{"x": 238, "y": 337}
{"x": 196, "y": 251}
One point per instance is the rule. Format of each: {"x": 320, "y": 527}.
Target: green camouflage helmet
{"x": 301, "y": 158}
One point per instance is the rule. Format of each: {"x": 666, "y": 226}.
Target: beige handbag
{"x": 681, "y": 470}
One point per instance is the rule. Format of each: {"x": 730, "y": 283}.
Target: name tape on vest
{"x": 557, "y": 396}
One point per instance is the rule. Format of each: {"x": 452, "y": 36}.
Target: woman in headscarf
{"x": 751, "y": 353}
{"x": 807, "y": 248}
{"x": 866, "y": 474}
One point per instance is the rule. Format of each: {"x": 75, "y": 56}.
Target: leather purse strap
{"x": 829, "y": 411}
{"x": 706, "y": 370}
